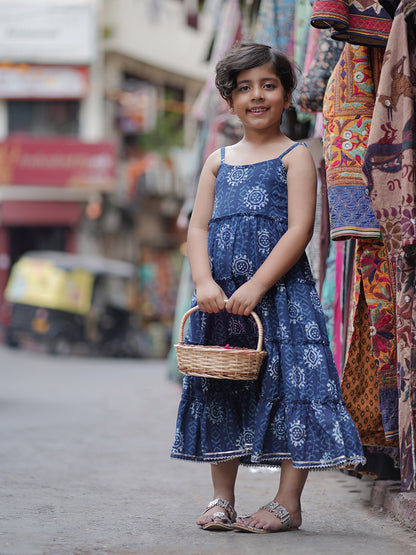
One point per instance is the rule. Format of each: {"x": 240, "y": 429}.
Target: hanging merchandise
{"x": 312, "y": 85}
{"x": 301, "y": 25}
{"x": 348, "y": 108}
{"x": 353, "y": 21}
{"x": 275, "y": 16}
{"x": 359, "y": 381}
{"x": 373, "y": 278}
{"x": 389, "y": 172}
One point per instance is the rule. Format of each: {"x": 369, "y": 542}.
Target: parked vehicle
{"x": 64, "y": 300}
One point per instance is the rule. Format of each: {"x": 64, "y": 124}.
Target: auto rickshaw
{"x": 61, "y": 300}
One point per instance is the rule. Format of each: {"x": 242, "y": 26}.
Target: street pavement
{"x": 85, "y": 470}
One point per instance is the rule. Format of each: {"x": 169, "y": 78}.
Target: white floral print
{"x": 225, "y": 236}
{"x": 312, "y": 356}
{"x": 242, "y": 266}
{"x": 256, "y": 198}
{"x": 237, "y": 175}
{"x": 295, "y": 312}
{"x": 297, "y": 432}
{"x": 297, "y": 377}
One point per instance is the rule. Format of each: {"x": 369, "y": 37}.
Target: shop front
{"x": 46, "y": 187}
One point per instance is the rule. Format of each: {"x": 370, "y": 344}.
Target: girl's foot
{"x": 273, "y": 517}
{"x": 219, "y": 515}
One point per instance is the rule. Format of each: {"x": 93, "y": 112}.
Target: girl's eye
{"x": 243, "y": 88}
{"x": 269, "y": 86}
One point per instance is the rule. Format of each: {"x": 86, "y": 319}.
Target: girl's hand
{"x": 210, "y": 297}
{"x": 245, "y": 299}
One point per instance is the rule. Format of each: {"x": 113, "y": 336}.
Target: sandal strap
{"x": 219, "y": 502}
{"x": 280, "y": 512}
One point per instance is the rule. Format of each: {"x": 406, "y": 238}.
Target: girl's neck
{"x": 254, "y": 139}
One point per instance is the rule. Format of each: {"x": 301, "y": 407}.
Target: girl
{"x": 253, "y": 217}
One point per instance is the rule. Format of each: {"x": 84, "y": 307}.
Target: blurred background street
{"x": 85, "y": 469}
{"x": 108, "y": 111}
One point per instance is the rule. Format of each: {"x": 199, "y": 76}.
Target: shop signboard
{"x": 48, "y": 31}
{"x": 24, "y": 81}
{"x": 62, "y": 162}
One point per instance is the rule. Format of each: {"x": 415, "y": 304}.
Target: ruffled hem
{"x": 270, "y": 461}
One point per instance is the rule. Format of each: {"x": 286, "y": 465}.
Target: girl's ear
{"x": 288, "y": 99}
{"x": 230, "y": 106}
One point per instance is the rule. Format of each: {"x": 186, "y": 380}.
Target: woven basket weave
{"x": 219, "y": 362}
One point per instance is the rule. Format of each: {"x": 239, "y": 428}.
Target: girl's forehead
{"x": 264, "y": 71}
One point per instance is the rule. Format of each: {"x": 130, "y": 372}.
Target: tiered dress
{"x": 294, "y": 409}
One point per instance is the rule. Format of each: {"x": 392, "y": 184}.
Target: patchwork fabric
{"x": 348, "y": 108}
{"x": 363, "y": 22}
{"x": 389, "y": 172}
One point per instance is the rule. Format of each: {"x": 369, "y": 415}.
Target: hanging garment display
{"x": 372, "y": 271}
{"x": 388, "y": 169}
{"x": 312, "y": 85}
{"x": 359, "y": 381}
{"x": 347, "y": 112}
{"x": 274, "y": 15}
{"x": 354, "y": 21}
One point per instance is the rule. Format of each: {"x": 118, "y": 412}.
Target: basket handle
{"x": 196, "y": 307}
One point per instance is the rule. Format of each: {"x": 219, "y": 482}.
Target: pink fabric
{"x": 337, "y": 331}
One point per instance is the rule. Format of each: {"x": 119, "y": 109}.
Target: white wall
{"x": 159, "y": 38}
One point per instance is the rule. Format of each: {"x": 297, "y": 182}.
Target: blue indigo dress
{"x": 294, "y": 409}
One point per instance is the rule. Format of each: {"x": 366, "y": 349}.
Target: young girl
{"x": 253, "y": 217}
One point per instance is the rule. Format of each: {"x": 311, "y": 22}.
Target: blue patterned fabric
{"x": 294, "y": 409}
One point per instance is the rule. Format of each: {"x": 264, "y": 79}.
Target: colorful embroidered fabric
{"x": 294, "y": 410}
{"x": 373, "y": 272}
{"x": 359, "y": 381}
{"x": 363, "y": 22}
{"x": 347, "y": 112}
{"x": 389, "y": 171}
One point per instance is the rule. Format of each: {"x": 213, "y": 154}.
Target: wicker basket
{"x": 219, "y": 362}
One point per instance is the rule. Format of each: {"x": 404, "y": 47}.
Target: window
{"x": 44, "y": 117}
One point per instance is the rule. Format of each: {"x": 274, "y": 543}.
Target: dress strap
{"x": 222, "y": 154}
{"x": 290, "y": 148}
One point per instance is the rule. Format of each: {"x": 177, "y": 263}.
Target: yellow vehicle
{"x": 64, "y": 300}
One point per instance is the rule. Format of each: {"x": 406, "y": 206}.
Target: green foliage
{"x": 167, "y": 134}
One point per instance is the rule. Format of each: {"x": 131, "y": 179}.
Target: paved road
{"x": 85, "y": 470}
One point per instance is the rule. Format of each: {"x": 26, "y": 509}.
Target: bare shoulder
{"x": 212, "y": 163}
{"x": 299, "y": 158}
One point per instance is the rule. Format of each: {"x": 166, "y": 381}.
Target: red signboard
{"x": 27, "y": 160}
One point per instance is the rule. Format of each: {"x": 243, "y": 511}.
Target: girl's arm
{"x": 301, "y": 186}
{"x": 209, "y": 295}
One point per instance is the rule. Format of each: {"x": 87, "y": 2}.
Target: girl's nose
{"x": 257, "y": 92}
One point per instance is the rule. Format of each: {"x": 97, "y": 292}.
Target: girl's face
{"x": 259, "y": 98}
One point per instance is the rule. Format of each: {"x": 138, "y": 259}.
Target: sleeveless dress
{"x": 294, "y": 409}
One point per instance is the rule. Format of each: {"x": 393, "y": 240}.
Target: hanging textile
{"x": 353, "y": 21}
{"x": 373, "y": 272}
{"x": 389, "y": 171}
{"x": 313, "y": 82}
{"x": 301, "y": 26}
{"x": 228, "y": 30}
{"x": 359, "y": 380}
{"x": 274, "y": 24}
{"x": 347, "y": 112}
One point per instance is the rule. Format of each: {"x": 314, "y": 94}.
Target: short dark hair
{"x": 247, "y": 55}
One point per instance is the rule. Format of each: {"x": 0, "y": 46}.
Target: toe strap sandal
{"x": 220, "y": 520}
{"x": 273, "y": 507}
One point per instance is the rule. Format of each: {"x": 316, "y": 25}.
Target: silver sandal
{"x": 227, "y": 518}
{"x": 279, "y": 512}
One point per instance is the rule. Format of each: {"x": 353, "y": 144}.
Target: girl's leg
{"x": 292, "y": 482}
{"x": 223, "y": 476}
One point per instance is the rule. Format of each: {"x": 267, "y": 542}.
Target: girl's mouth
{"x": 258, "y": 110}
